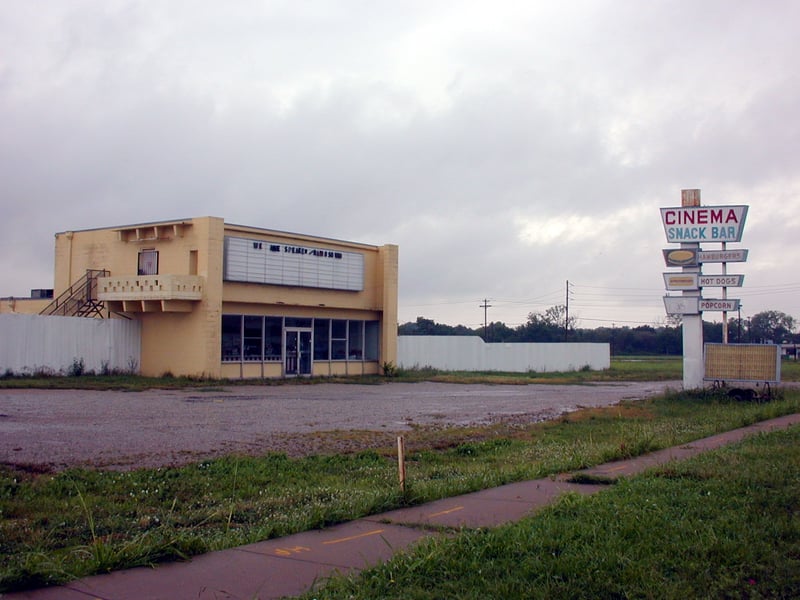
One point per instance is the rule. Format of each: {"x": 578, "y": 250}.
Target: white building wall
{"x": 30, "y": 343}
{"x": 468, "y": 353}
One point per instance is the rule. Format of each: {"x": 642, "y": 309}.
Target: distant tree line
{"x": 553, "y": 325}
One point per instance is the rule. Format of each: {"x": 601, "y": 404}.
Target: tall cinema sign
{"x": 704, "y": 223}
{"x": 691, "y": 225}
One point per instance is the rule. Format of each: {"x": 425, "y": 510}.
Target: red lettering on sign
{"x": 700, "y": 216}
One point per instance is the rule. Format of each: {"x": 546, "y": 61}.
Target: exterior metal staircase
{"x": 79, "y": 299}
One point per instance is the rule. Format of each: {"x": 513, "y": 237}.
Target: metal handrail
{"x": 78, "y": 297}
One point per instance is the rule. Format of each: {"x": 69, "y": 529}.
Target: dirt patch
{"x": 626, "y": 411}
{"x": 56, "y": 429}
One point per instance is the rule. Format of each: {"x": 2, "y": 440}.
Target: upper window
{"x": 148, "y": 262}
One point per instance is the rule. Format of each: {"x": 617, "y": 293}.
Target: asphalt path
{"x": 54, "y": 429}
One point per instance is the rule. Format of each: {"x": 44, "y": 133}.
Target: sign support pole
{"x": 693, "y": 368}
{"x": 692, "y": 352}
{"x": 724, "y": 297}
{"x": 692, "y": 344}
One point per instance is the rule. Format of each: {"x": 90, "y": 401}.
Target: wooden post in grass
{"x": 401, "y": 462}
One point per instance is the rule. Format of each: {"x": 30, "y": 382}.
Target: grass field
{"x": 723, "y": 525}
{"x": 627, "y": 368}
{"x": 58, "y": 526}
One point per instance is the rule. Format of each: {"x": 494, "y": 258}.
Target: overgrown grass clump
{"x": 723, "y": 525}
{"x": 59, "y": 526}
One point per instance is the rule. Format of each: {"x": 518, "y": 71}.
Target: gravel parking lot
{"x": 53, "y": 429}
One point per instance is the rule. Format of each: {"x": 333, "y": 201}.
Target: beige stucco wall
{"x": 183, "y": 337}
{"x": 182, "y": 343}
{"x": 77, "y": 251}
{"x": 388, "y": 275}
{"x": 22, "y": 306}
{"x": 188, "y": 343}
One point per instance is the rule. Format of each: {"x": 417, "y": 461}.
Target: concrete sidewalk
{"x": 292, "y": 565}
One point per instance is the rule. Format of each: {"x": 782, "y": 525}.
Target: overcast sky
{"x": 506, "y": 147}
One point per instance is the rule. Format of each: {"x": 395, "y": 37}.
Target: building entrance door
{"x": 297, "y": 352}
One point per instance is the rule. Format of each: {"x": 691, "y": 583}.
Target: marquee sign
{"x": 704, "y": 223}
{"x": 264, "y": 261}
{"x": 743, "y": 362}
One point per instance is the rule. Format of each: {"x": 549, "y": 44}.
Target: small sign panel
{"x": 743, "y": 362}
{"x": 681, "y": 257}
{"x": 722, "y": 256}
{"x": 681, "y": 281}
{"x": 727, "y": 305}
{"x": 682, "y": 305}
{"x": 704, "y": 223}
{"x": 721, "y": 280}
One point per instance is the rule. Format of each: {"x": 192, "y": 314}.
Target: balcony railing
{"x": 151, "y": 293}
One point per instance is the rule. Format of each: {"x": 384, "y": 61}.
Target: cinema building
{"x": 231, "y": 301}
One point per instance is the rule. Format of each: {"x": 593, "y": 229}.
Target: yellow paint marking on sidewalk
{"x": 620, "y": 468}
{"x": 446, "y": 512}
{"x": 353, "y": 537}
{"x": 290, "y": 551}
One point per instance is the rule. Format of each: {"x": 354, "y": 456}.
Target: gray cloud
{"x": 506, "y": 149}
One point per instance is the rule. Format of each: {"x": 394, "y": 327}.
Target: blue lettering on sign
{"x": 686, "y": 233}
{"x": 723, "y": 233}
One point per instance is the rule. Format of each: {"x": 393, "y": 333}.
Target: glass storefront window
{"x": 371, "y": 340}
{"x": 273, "y": 338}
{"x": 231, "y": 338}
{"x": 298, "y": 322}
{"x": 338, "y": 339}
{"x": 338, "y": 349}
{"x": 322, "y": 339}
{"x": 355, "y": 340}
{"x": 253, "y": 336}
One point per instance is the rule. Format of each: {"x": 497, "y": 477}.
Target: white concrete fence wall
{"x": 31, "y": 343}
{"x": 468, "y": 353}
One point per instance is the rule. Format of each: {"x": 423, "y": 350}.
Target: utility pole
{"x": 739, "y": 335}
{"x": 485, "y": 306}
{"x": 566, "y": 314}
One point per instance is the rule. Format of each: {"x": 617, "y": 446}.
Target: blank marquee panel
{"x": 743, "y": 362}
{"x": 263, "y": 261}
